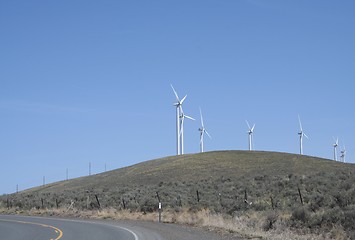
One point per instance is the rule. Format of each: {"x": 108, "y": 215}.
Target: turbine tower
{"x": 202, "y": 131}
{"x": 342, "y": 154}
{"x": 178, "y": 106}
{"x": 182, "y": 117}
{"x": 301, "y": 134}
{"x": 250, "y": 133}
{"x": 335, "y": 145}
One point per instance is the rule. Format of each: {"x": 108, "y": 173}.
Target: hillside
{"x": 219, "y": 170}
{"x": 210, "y": 166}
{"x": 311, "y": 190}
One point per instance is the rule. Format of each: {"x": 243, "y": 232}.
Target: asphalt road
{"x": 36, "y": 228}
{"x": 14, "y": 227}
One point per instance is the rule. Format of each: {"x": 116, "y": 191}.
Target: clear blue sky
{"x": 89, "y": 81}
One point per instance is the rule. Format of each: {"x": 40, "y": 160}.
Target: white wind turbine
{"x": 301, "y": 134}
{"x": 202, "y": 131}
{"x": 250, "y": 133}
{"x": 335, "y": 145}
{"x": 342, "y": 154}
{"x": 178, "y": 106}
{"x": 182, "y": 117}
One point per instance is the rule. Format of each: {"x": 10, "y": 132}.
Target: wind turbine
{"x": 342, "y": 154}
{"x": 178, "y": 106}
{"x": 301, "y": 134}
{"x": 182, "y": 117}
{"x": 202, "y": 131}
{"x": 250, "y": 133}
{"x": 335, "y": 145}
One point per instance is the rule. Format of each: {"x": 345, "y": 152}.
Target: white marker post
{"x": 159, "y": 212}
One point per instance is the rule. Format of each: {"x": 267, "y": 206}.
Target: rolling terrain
{"x": 308, "y": 192}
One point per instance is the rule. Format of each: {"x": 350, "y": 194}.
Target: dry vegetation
{"x": 260, "y": 194}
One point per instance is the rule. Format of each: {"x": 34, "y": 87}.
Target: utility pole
{"x": 44, "y": 181}
{"x": 89, "y": 168}
{"x": 67, "y": 178}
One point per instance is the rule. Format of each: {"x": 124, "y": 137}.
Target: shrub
{"x": 270, "y": 221}
{"x": 348, "y": 221}
{"x": 333, "y": 216}
{"x": 300, "y": 214}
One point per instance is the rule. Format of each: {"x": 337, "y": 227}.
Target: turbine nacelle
{"x": 336, "y": 144}
{"x": 202, "y": 130}
{"x": 179, "y": 102}
{"x": 301, "y": 134}
{"x": 342, "y": 155}
{"x": 179, "y": 122}
{"x": 250, "y": 133}
{"x": 343, "y": 151}
{"x": 182, "y": 116}
{"x": 251, "y": 129}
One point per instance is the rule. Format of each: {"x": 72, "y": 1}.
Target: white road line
{"x": 128, "y": 230}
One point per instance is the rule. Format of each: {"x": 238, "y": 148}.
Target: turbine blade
{"x": 183, "y": 99}
{"x": 185, "y": 116}
{"x": 181, "y": 126}
{"x": 208, "y": 134}
{"x": 252, "y": 129}
{"x": 201, "y": 119}
{"x": 299, "y": 120}
{"x": 247, "y": 124}
{"x": 305, "y": 135}
{"x": 176, "y": 95}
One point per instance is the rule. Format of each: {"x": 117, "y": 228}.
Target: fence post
{"x": 87, "y": 202}
{"x": 158, "y": 196}
{"x": 124, "y": 203}
{"x": 179, "y": 201}
{"x": 98, "y": 202}
{"x": 272, "y": 203}
{"x": 299, "y": 193}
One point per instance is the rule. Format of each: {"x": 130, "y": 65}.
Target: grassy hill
{"x": 316, "y": 192}
{"x": 210, "y": 166}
